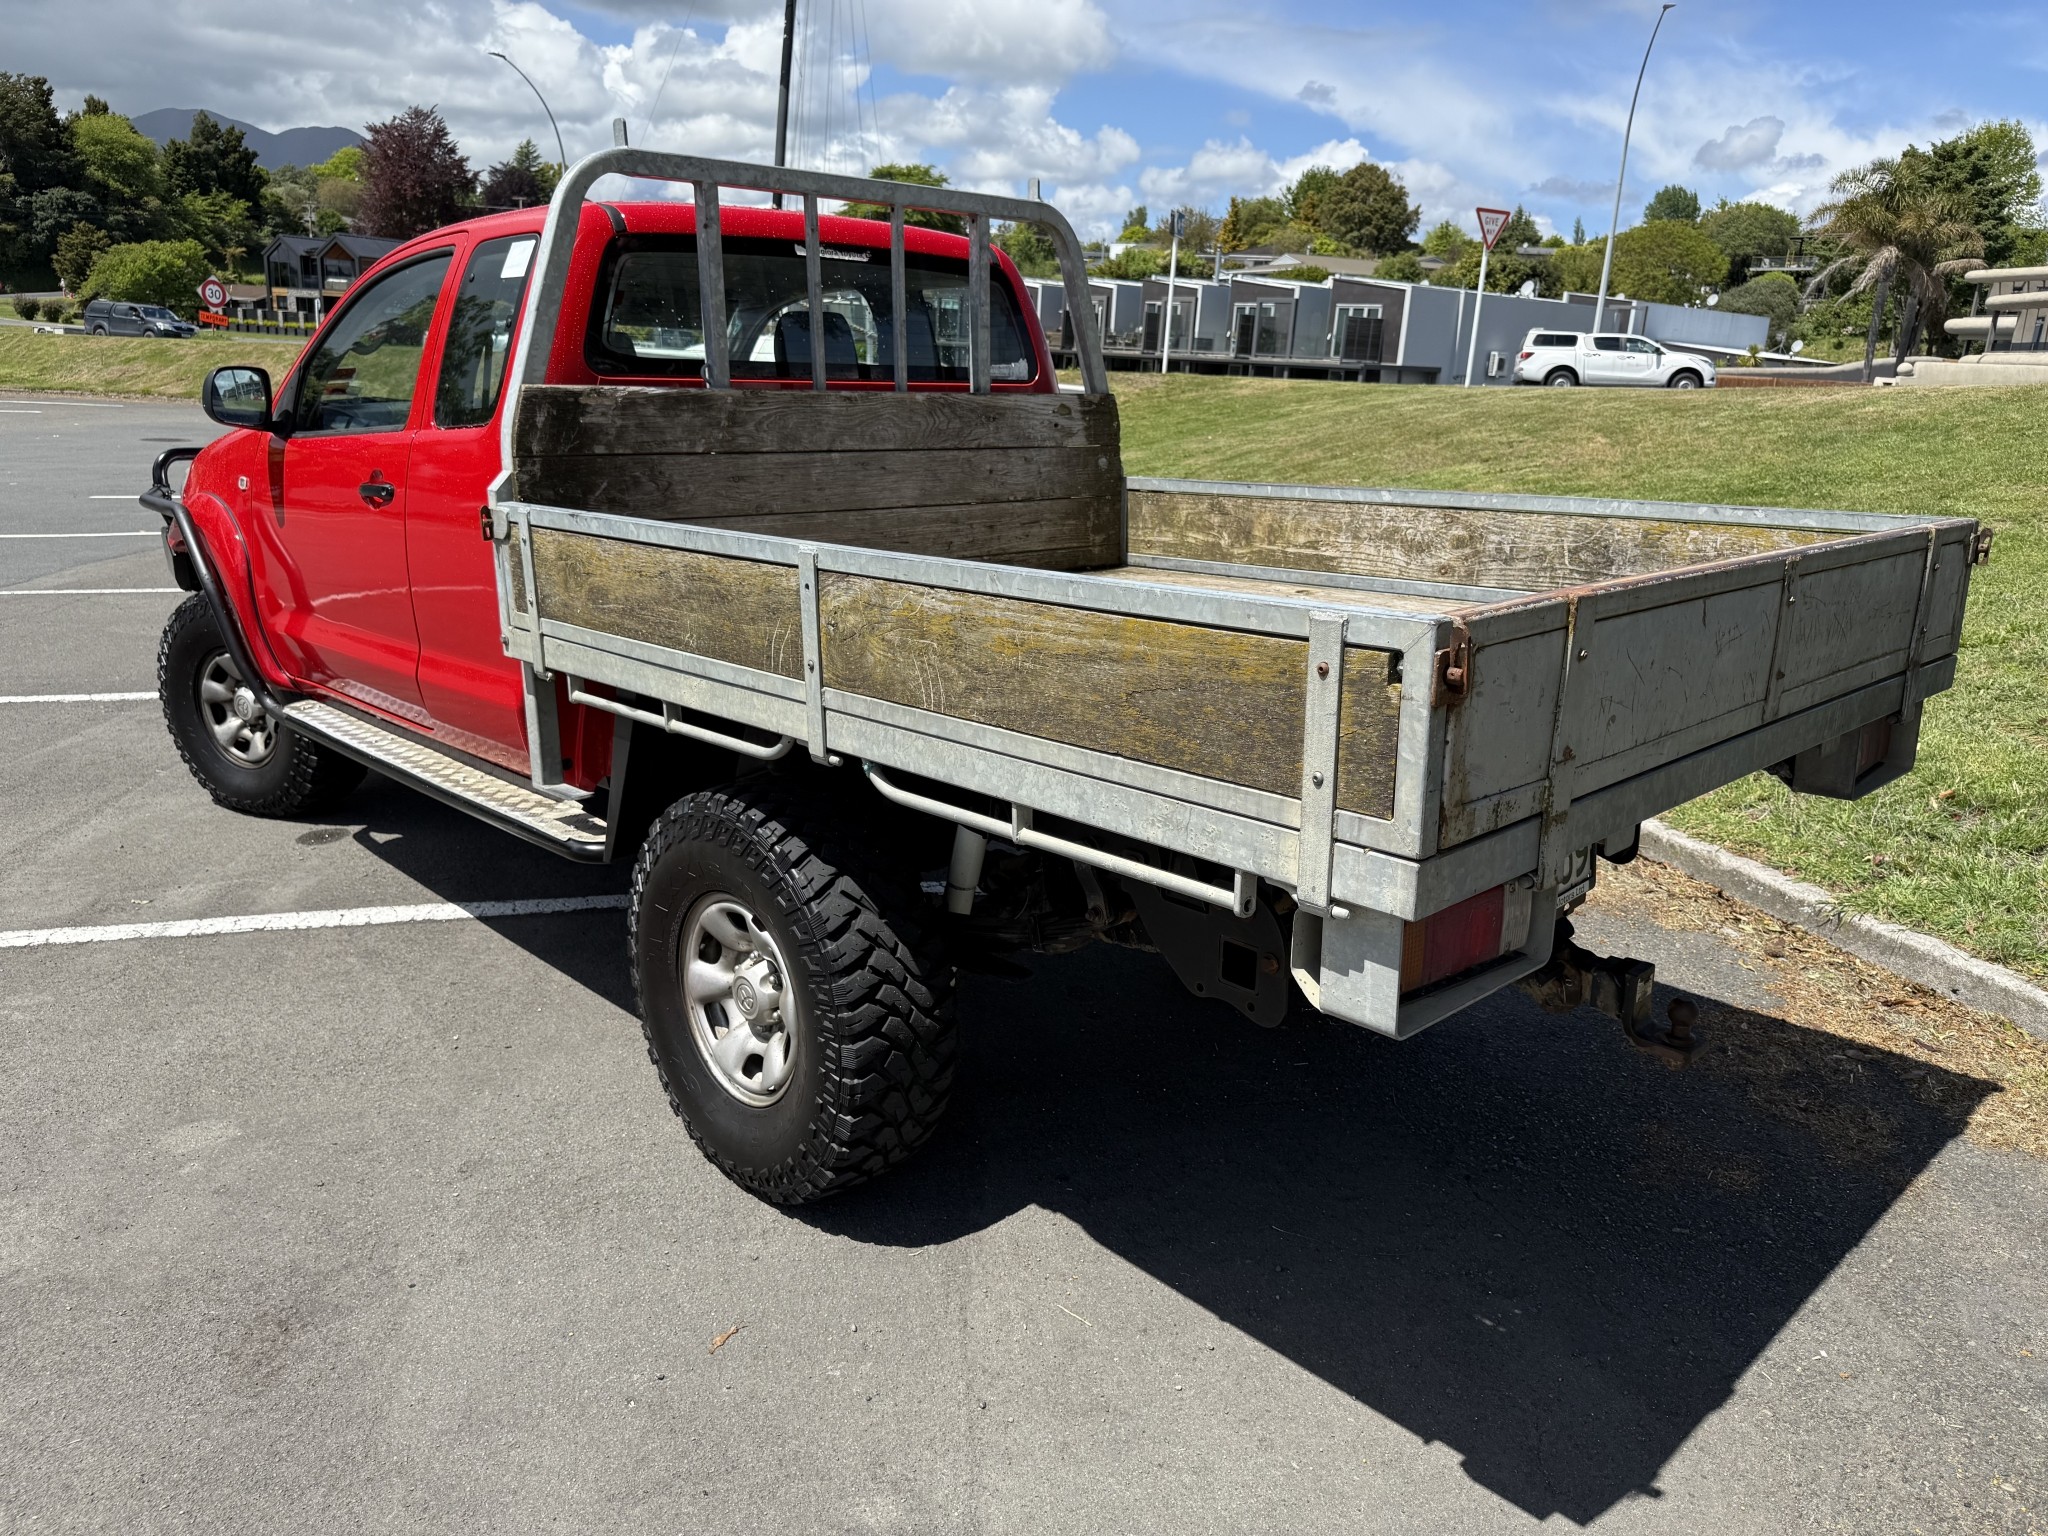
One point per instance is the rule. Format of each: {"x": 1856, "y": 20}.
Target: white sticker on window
{"x": 517, "y": 259}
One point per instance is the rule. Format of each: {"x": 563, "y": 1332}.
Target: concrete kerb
{"x": 1925, "y": 961}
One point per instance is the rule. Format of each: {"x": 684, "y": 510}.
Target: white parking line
{"x": 299, "y": 922}
{"x": 10, "y": 411}
{"x": 73, "y": 698}
{"x": 130, "y": 496}
{"x": 87, "y": 405}
{"x": 81, "y": 591}
{"x": 145, "y": 533}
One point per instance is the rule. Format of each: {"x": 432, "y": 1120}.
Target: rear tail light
{"x": 1524, "y": 357}
{"x": 1477, "y": 930}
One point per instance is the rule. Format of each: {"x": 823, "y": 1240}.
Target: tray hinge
{"x": 1453, "y": 667}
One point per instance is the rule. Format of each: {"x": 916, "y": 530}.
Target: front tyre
{"x": 246, "y": 760}
{"x": 1685, "y": 381}
{"x": 797, "y": 1012}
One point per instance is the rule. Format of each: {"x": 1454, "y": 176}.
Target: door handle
{"x": 376, "y": 490}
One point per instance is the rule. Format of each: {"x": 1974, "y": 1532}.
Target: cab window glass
{"x": 649, "y": 318}
{"x": 362, "y": 376}
{"x": 1638, "y": 345}
{"x": 480, "y": 323}
{"x": 1607, "y": 343}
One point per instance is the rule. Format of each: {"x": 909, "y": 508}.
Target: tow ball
{"x": 1621, "y": 989}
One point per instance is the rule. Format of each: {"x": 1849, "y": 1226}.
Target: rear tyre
{"x": 1685, "y": 381}
{"x": 796, "y": 1008}
{"x": 246, "y": 760}
{"x": 1561, "y": 378}
{"x": 99, "y": 330}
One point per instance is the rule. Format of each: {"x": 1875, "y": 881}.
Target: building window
{"x": 1355, "y": 338}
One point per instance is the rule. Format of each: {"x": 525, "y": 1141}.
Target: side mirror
{"x": 238, "y": 397}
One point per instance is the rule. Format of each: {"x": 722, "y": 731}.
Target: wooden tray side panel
{"x": 1527, "y": 551}
{"x": 1212, "y": 702}
{"x": 741, "y": 611}
{"x": 1020, "y": 479}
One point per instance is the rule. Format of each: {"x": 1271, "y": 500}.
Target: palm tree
{"x": 1895, "y": 227}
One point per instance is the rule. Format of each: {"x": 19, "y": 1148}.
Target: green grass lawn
{"x": 1958, "y": 848}
{"x": 127, "y": 365}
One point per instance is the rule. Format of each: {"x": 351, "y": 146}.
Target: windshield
{"x": 649, "y": 320}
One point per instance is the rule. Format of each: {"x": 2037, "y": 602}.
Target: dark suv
{"x": 115, "y": 317}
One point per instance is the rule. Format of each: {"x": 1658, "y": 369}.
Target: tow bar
{"x": 1621, "y": 989}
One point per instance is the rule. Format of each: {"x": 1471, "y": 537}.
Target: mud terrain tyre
{"x": 258, "y": 766}
{"x": 796, "y": 1004}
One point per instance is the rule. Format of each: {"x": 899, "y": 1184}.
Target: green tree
{"x": 291, "y": 202}
{"x": 1773, "y": 295}
{"x": 1137, "y": 226}
{"x": 1303, "y": 201}
{"x": 1030, "y": 248}
{"x": 414, "y": 176}
{"x": 524, "y": 181}
{"x": 1367, "y": 207}
{"x": 1748, "y": 233}
{"x": 1578, "y": 231}
{"x": 212, "y": 158}
{"x": 1135, "y": 262}
{"x": 916, "y": 176}
{"x": 1673, "y": 203}
{"x": 1520, "y": 230}
{"x": 35, "y": 146}
{"x": 120, "y": 164}
{"x": 1505, "y": 271}
{"x": 1994, "y": 170}
{"x": 1446, "y": 240}
{"x": 1199, "y": 228}
{"x": 1898, "y": 227}
{"x": 1401, "y": 267}
{"x": 77, "y": 249}
{"x": 221, "y": 224}
{"x": 1249, "y": 222}
{"x": 1668, "y": 262}
{"x": 166, "y": 272}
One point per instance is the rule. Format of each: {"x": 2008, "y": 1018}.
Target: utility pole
{"x": 1614, "y": 223}
{"x": 561, "y": 155}
{"x": 1179, "y": 222}
{"x": 782, "y": 96}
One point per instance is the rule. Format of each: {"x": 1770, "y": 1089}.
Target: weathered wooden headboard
{"x": 1017, "y": 479}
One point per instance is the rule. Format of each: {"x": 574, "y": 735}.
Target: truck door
{"x": 473, "y": 692}
{"x": 341, "y": 598}
{"x": 1643, "y": 361}
{"x": 1600, "y": 361}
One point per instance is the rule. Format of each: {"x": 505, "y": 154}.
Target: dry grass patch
{"x": 1859, "y": 1030}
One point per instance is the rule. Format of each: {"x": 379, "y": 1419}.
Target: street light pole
{"x": 782, "y": 94}
{"x": 1614, "y": 222}
{"x": 561, "y": 155}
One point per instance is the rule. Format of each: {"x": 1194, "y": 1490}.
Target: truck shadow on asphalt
{"x": 1512, "y": 1235}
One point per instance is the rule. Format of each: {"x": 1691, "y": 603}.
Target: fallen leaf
{"x": 719, "y": 1343}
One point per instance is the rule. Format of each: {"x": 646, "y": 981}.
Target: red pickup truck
{"x": 584, "y": 523}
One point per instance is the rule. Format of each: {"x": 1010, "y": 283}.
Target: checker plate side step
{"x": 561, "y": 826}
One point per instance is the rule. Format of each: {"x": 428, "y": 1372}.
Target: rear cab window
{"x": 1555, "y": 339}
{"x": 648, "y": 316}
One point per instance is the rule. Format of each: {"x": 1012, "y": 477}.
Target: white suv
{"x": 1563, "y": 359}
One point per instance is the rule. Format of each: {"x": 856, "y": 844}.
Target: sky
{"x": 1112, "y": 103}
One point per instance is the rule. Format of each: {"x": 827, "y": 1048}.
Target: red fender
{"x": 228, "y": 553}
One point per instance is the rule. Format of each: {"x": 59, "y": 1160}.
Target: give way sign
{"x": 1491, "y": 222}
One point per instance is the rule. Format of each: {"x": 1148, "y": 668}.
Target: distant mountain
{"x": 295, "y": 146}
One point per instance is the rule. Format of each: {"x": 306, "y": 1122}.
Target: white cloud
{"x": 1742, "y": 146}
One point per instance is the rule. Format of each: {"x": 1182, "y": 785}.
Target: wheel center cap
{"x": 757, "y": 994}
{"x": 246, "y": 709}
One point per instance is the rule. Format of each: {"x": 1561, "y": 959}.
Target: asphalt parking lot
{"x": 389, "y": 1228}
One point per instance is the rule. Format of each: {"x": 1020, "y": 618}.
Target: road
{"x": 388, "y": 1227}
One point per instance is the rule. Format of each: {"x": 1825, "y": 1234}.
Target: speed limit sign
{"x": 214, "y": 293}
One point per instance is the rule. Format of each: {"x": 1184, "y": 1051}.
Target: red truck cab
{"x": 344, "y": 534}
